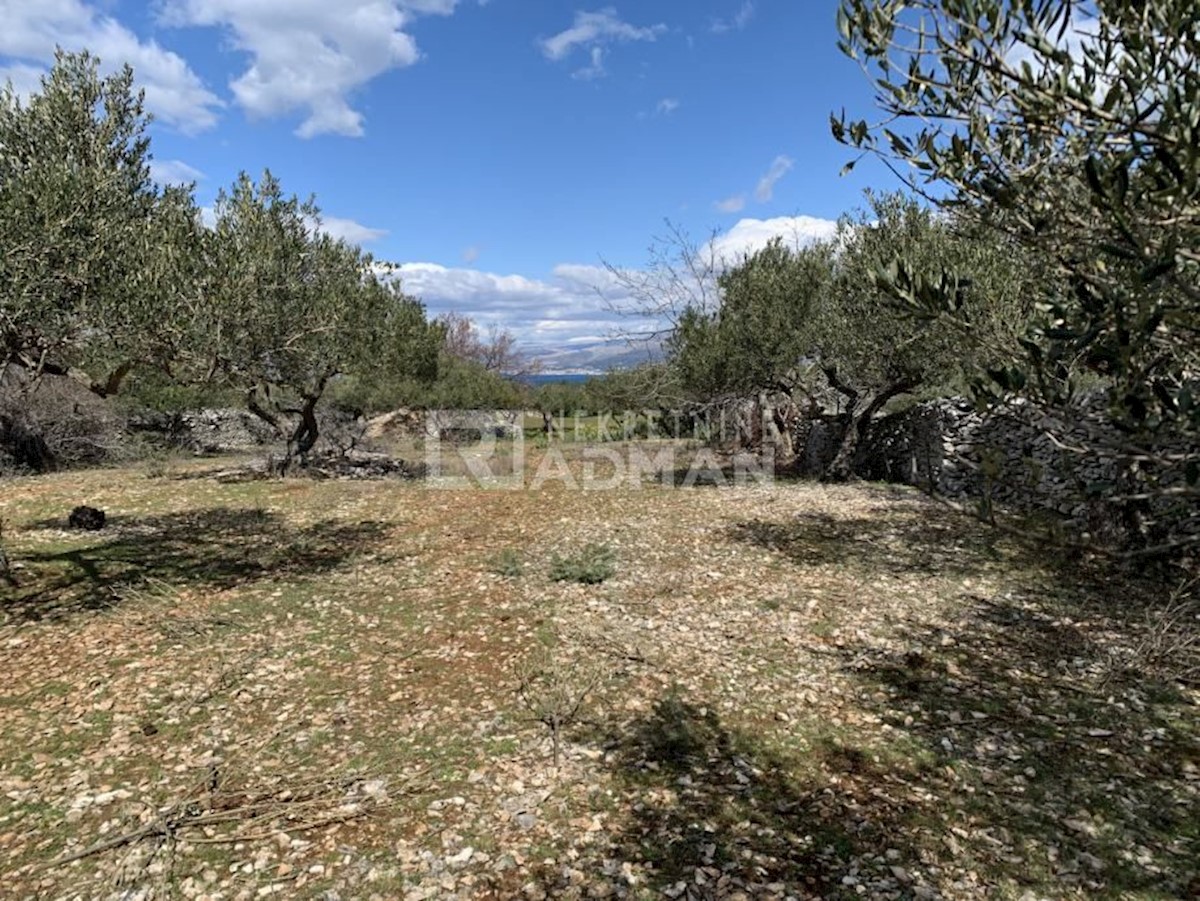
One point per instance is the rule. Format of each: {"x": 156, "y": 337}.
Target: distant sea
{"x": 544, "y": 378}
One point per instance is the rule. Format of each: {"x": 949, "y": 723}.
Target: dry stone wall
{"x": 1009, "y": 457}
{"x": 951, "y": 448}
{"x": 209, "y": 431}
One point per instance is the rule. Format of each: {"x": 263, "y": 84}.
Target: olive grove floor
{"x": 292, "y": 688}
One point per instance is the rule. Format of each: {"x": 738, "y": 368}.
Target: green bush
{"x": 591, "y": 566}
{"x": 508, "y": 563}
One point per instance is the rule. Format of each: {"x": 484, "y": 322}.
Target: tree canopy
{"x": 103, "y": 272}
{"x": 93, "y": 256}
{"x": 289, "y": 308}
{"x": 814, "y": 320}
{"x": 1073, "y": 129}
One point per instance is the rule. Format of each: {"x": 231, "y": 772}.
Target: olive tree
{"x": 759, "y": 336}
{"x": 94, "y": 258}
{"x": 814, "y": 321}
{"x": 289, "y": 308}
{"x": 871, "y": 349}
{"x": 1073, "y": 128}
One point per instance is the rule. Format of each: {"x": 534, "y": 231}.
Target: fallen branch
{"x": 192, "y": 812}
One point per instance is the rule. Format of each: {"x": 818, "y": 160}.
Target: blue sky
{"x": 498, "y": 149}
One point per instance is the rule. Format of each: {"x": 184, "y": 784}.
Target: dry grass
{"x": 791, "y": 691}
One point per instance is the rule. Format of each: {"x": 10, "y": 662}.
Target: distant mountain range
{"x": 596, "y": 358}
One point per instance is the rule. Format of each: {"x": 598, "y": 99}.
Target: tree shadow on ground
{"x": 720, "y": 813}
{"x": 915, "y": 538}
{"x": 1066, "y": 754}
{"x": 711, "y": 812}
{"x": 1058, "y": 767}
{"x": 214, "y": 549}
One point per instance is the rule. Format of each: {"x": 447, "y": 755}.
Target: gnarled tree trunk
{"x": 296, "y": 426}
{"x": 857, "y": 423}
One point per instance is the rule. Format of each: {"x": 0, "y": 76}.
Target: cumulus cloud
{"x": 311, "y": 56}
{"x": 24, "y": 79}
{"x": 666, "y": 106}
{"x": 174, "y": 172}
{"x": 593, "y": 32}
{"x": 350, "y": 231}
{"x": 574, "y": 303}
{"x": 32, "y": 30}
{"x": 750, "y": 235}
{"x": 780, "y": 167}
{"x": 737, "y": 22}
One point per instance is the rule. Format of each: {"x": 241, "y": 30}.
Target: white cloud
{"x": 343, "y": 229}
{"x": 350, "y": 231}
{"x": 739, "y": 21}
{"x": 311, "y": 55}
{"x": 32, "y": 29}
{"x": 594, "y": 281}
{"x": 764, "y": 191}
{"x": 431, "y": 7}
{"x": 594, "y": 69}
{"x": 750, "y": 235}
{"x": 174, "y": 172}
{"x": 593, "y": 31}
{"x": 734, "y": 204}
{"x": 666, "y": 106}
{"x": 22, "y": 78}
{"x": 576, "y": 302}
{"x": 780, "y": 167}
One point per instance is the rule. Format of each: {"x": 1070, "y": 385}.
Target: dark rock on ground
{"x": 87, "y": 518}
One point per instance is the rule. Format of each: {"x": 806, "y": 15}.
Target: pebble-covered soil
{"x": 375, "y": 690}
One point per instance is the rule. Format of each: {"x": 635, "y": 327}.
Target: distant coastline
{"x": 546, "y": 378}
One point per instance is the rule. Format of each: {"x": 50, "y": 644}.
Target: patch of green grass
{"x": 594, "y": 564}
{"x": 508, "y": 563}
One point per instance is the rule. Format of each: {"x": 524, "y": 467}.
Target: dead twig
{"x": 341, "y": 799}
{"x": 229, "y": 676}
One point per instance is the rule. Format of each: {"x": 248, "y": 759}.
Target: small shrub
{"x": 1168, "y": 644}
{"x": 158, "y": 462}
{"x": 591, "y": 566}
{"x": 508, "y": 563}
{"x": 555, "y": 689}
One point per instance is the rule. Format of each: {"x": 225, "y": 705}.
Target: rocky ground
{"x": 351, "y": 689}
